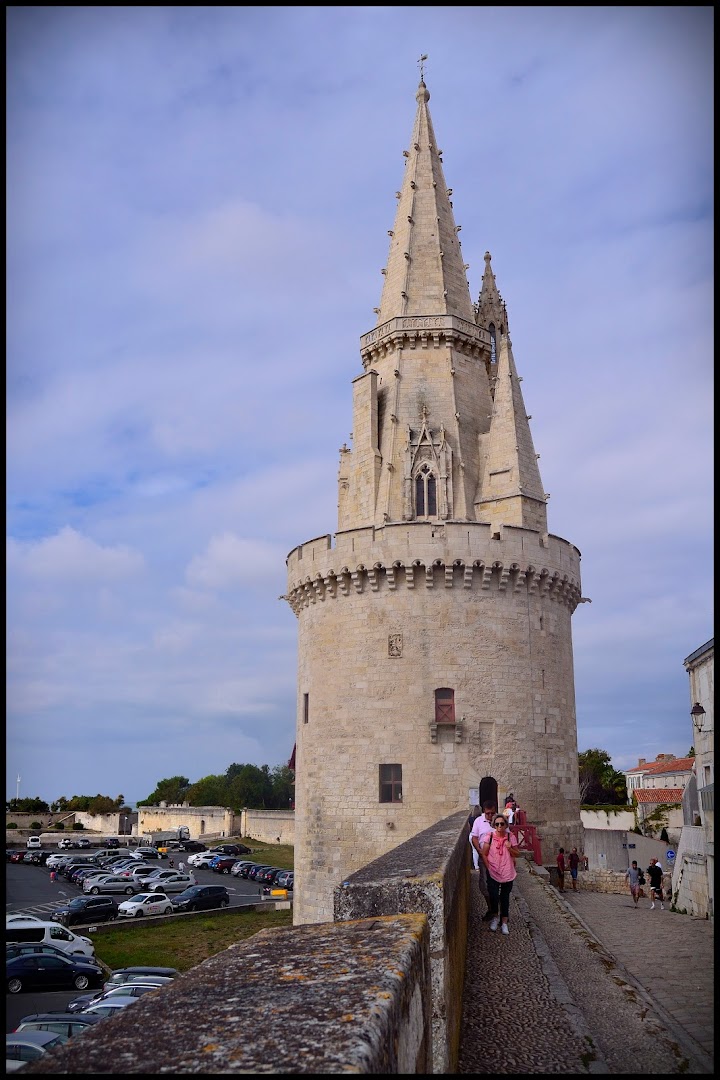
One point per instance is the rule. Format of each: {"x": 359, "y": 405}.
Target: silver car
{"x": 167, "y": 881}
{"x": 111, "y": 883}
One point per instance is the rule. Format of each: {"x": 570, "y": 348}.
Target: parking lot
{"x": 30, "y": 890}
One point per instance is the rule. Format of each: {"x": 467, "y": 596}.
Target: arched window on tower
{"x": 425, "y": 493}
{"x": 444, "y": 705}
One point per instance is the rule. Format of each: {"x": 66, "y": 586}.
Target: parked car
{"x": 129, "y": 974}
{"x": 27, "y": 857}
{"x": 135, "y": 988}
{"x": 86, "y": 909}
{"x": 39, "y": 858}
{"x": 267, "y": 877}
{"x": 66, "y": 842}
{"x": 82, "y": 841}
{"x": 21, "y": 917}
{"x": 193, "y": 845}
{"x": 108, "y": 1008}
{"x": 152, "y": 903}
{"x": 78, "y": 863}
{"x": 110, "y": 883}
{"x": 17, "y": 856}
{"x": 173, "y": 882}
{"x": 24, "y": 1046}
{"x": 48, "y": 933}
{"x": 255, "y": 870}
{"x": 33, "y": 842}
{"x": 233, "y": 849}
{"x": 285, "y": 879}
{"x": 112, "y": 841}
{"x": 58, "y": 1022}
{"x": 136, "y": 872}
{"x": 30, "y": 948}
{"x": 223, "y": 865}
{"x": 57, "y": 860}
{"x": 201, "y": 898}
{"x": 237, "y": 866}
{"x": 201, "y": 858}
{"x": 149, "y": 853}
{"x": 50, "y": 973}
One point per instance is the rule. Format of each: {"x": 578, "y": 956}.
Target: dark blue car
{"x": 40, "y": 972}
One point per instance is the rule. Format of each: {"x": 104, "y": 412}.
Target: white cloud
{"x": 69, "y": 557}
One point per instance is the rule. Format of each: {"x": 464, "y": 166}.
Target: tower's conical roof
{"x": 425, "y": 273}
{"x": 512, "y": 490}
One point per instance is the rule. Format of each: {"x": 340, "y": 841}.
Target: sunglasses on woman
{"x": 499, "y": 823}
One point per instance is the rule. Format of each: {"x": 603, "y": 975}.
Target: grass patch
{"x": 183, "y": 943}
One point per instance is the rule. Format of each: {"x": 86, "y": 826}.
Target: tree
{"x": 27, "y": 806}
{"x": 600, "y": 783}
{"x": 172, "y": 790}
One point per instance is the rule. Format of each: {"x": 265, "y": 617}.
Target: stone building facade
{"x": 435, "y": 644}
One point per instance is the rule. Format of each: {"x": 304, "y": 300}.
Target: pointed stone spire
{"x": 511, "y": 489}
{"x": 425, "y": 273}
{"x": 491, "y": 311}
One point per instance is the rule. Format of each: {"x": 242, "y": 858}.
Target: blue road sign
{"x": 669, "y": 855}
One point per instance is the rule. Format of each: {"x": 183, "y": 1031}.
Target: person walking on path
{"x": 53, "y": 876}
{"x": 482, "y": 827}
{"x": 655, "y": 873}
{"x": 561, "y": 868}
{"x": 181, "y": 867}
{"x": 499, "y": 854}
{"x": 632, "y": 875}
{"x": 574, "y": 862}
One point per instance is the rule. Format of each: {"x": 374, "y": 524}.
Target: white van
{"x": 49, "y": 933}
{"x": 33, "y": 842}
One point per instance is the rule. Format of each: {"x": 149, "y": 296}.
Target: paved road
{"x": 587, "y": 984}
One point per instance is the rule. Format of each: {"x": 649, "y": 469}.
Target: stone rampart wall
{"x": 429, "y": 873}
{"x": 329, "y": 998}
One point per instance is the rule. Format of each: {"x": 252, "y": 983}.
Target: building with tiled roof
{"x": 658, "y": 796}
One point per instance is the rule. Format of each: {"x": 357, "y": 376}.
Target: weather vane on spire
{"x": 421, "y": 62}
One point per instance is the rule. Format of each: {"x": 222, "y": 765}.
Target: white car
{"x": 18, "y": 916}
{"x": 156, "y": 903}
{"x": 202, "y": 858}
{"x": 33, "y": 842}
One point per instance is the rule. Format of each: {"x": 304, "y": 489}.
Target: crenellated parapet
{"x": 462, "y": 556}
{"x": 488, "y": 577}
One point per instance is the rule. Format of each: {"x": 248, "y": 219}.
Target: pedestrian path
{"x": 670, "y": 955}
{"x": 575, "y": 987}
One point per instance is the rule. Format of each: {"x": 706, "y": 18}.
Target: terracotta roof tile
{"x": 681, "y": 764}
{"x": 658, "y": 795}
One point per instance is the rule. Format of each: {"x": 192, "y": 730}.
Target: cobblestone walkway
{"x": 567, "y": 991}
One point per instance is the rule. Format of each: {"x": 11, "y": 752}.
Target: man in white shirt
{"x": 479, "y": 833}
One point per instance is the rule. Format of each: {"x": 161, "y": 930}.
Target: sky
{"x": 198, "y": 202}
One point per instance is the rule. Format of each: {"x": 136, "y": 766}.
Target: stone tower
{"x": 435, "y": 643}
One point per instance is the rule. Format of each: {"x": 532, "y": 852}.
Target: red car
{"x": 224, "y": 865}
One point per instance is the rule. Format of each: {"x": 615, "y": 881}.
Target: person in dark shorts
{"x": 655, "y": 873}
{"x": 573, "y": 863}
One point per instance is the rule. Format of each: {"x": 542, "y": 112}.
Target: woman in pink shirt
{"x": 499, "y": 853}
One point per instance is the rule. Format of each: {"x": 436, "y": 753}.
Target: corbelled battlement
{"x": 421, "y": 554}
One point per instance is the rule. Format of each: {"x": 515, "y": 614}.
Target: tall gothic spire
{"x": 425, "y": 273}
